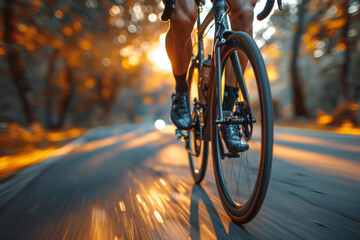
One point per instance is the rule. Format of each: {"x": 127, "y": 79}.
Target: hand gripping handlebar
{"x": 267, "y": 9}
{"x": 170, "y": 6}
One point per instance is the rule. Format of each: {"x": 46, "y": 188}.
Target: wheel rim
{"x": 239, "y": 177}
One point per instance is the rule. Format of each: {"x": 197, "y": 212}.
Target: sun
{"x": 158, "y": 55}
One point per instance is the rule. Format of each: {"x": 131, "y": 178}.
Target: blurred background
{"x": 67, "y": 66}
{"x": 70, "y": 67}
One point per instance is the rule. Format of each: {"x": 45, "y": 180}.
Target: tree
{"x": 345, "y": 39}
{"x": 298, "y": 95}
{"x": 15, "y": 63}
{"x": 57, "y": 49}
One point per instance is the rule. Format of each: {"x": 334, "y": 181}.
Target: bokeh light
{"x": 160, "y": 124}
{"x": 152, "y": 17}
{"x": 59, "y": 14}
{"x": 106, "y": 62}
{"x": 115, "y": 10}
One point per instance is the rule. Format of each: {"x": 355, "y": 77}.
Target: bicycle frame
{"x": 222, "y": 31}
{"x": 208, "y": 117}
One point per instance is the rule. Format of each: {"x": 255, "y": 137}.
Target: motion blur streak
{"x": 348, "y": 130}
{"x": 162, "y": 182}
{"x": 10, "y": 164}
{"x": 138, "y": 198}
{"x": 315, "y": 141}
{"x": 319, "y": 162}
{"x": 158, "y": 217}
{"x": 166, "y": 155}
{"x": 91, "y": 146}
{"x": 122, "y": 206}
{"x": 99, "y": 223}
{"x": 143, "y": 140}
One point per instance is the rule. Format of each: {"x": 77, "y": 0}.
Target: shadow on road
{"x": 235, "y": 231}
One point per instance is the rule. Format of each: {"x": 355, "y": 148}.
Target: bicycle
{"x": 241, "y": 178}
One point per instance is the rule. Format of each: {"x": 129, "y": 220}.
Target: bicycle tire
{"x": 198, "y": 164}
{"x": 243, "y": 208}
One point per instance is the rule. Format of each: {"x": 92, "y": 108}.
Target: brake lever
{"x": 169, "y": 7}
{"x": 266, "y": 11}
{"x": 268, "y": 8}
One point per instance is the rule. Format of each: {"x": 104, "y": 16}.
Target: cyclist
{"x": 179, "y": 50}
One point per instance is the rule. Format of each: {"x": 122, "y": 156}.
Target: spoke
{"x": 235, "y": 177}
{"x": 238, "y": 182}
{"x": 227, "y": 168}
{"x": 246, "y": 162}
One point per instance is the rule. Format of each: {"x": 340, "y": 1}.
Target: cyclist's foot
{"x": 180, "y": 110}
{"x": 232, "y": 136}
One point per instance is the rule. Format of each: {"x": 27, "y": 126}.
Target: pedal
{"x": 232, "y": 155}
{"x": 181, "y": 135}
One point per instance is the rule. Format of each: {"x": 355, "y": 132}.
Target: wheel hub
{"x": 243, "y": 110}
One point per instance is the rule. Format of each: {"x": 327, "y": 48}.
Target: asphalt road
{"x": 134, "y": 182}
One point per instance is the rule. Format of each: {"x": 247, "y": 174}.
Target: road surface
{"x": 133, "y": 182}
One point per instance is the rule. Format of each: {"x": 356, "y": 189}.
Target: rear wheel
{"x": 242, "y": 178}
{"x": 197, "y": 147}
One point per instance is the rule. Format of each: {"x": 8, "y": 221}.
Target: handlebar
{"x": 169, "y": 7}
{"x": 268, "y": 8}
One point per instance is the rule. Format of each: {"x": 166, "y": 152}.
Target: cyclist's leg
{"x": 242, "y": 15}
{"x": 241, "y": 18}
{"x": 179, "y": 50}
{"x": 178, "y": 40}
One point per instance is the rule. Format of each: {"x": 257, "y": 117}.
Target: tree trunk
{"x": 66, "y": 98}
{"x": 16, "y": 65}
{"x": 48, "y": 89}
{"x": 345, "y": 67}
{"x": 113, "y": 94}
{"x": 106, "y": 101}
{"x": 298, "y": 97}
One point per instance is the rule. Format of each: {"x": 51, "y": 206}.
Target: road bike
{"x": 241, "y": 178}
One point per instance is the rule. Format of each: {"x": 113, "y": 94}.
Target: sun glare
{"x": 159, "y": 57}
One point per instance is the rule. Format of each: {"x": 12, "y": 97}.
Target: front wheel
{"x": 242, "y": 178}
